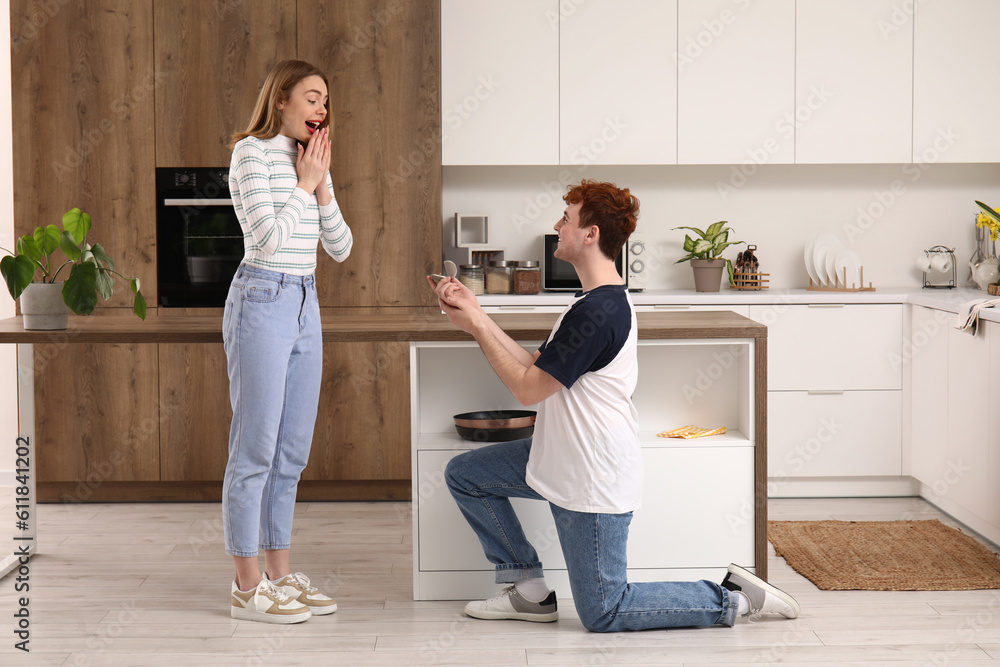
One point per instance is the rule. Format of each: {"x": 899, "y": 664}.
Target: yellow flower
{"x": 985, "y": 221}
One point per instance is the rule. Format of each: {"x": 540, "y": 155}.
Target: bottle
{"x": 471, "y": 275}
{"x": 527, "y": 277}
{"x": 499, "y": 277}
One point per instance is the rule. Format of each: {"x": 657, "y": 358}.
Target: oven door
{"x": 199, "y": 248}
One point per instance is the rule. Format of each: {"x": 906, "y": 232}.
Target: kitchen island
{"x": 709, "y": 365}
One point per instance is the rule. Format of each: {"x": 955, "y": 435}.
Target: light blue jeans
{"x": 274, "y": 351}
{"x": 483, "y": 480}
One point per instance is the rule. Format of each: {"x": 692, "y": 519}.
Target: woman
{"x": 283, "y": 195}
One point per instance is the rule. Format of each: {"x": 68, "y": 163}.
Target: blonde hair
{"x": 265, "y": 122}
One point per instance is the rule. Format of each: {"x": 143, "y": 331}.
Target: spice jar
{"x": 499, "y": 277}
{"x": 527, "y": 277}
{"x": 471, "y": 275}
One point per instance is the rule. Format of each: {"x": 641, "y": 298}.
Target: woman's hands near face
{"x": 313, "y": 163}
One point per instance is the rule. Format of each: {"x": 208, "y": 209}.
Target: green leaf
{"x": 139, "y": 305}
{"x": 26, "y": 245}
{"x": 77, "y": 223}
{"x": 684, "y": 259}
{"x": 693, "y": 229}
{"x": 729, "y": 267}
{"x": 80, "y": 290}
{"x": 721, "y": 237}
{"x": 17, "y": 271}
{"x": 69, "y": 246}
{"x": 714, "y": 228}
{"x": 102, "y": 256}
{"x": 722, "y": 247}
{"x": 105, "y": 284}
{"x": 989, "y": 211}
{"x": 47, "y": 239}
{"x": 701, "y": 246}
{"x": 688, "y": 243}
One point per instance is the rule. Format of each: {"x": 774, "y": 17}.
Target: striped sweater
{"x": 281, "y": 222}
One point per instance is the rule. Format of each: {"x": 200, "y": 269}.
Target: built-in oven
{"x": 199, "y": 242}
{"x": 558, "y": 275}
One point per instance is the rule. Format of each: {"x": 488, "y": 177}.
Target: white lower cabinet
{"x": 928, "y": 358}
{"x": 834, "y": 434}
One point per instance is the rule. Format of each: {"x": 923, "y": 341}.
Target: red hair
{"x": 612, "y": 209}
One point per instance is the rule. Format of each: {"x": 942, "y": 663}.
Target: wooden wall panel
{"x": 211, "y": 60}
{"x": 363, "y": 427}
{"x": 195, "y": 412}
{"x": 83, "y": 83}
{"x": 96, "y": 413}
{"x": 383, "y": 61}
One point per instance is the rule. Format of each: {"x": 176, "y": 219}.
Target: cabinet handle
{"x": 825, "y": 392}
{"x": 518, "y": 307}
{"x": 826, "y": 305}
{"x": 670, "y": 306}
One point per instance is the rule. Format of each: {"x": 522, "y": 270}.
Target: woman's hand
{"x": 313, "y": 164}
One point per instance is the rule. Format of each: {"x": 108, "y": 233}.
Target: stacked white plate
{"x": 827, "y": 260}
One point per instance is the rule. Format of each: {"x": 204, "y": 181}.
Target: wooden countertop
{"x": 371, "y": 328}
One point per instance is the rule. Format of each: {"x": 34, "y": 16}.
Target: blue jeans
{"x": 594, "y": 546}
{"x": 274, "y": 351}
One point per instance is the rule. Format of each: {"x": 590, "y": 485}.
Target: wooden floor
{"x": 148, "y": 584}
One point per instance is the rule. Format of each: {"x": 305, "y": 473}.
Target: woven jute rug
{"x": 885, "y": 555}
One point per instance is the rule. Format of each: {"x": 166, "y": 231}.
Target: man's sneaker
{"x": 509, "y": 604}
{"x": 297, "y": 587}
{"x": 267, "y": 604}
{"x": 764, "y": 598}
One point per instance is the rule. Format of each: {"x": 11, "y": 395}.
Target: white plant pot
{"x": 43, "y": 308}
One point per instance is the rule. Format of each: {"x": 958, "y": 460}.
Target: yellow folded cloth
{"x": 691, "y": 432}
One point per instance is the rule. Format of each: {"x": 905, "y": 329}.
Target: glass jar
{"x": 527, "y": 277}
{"x": 471, "y": 275}
{"x": 499, "y": 277}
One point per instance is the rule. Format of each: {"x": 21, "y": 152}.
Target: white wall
{"x": 886, "y": 213}
{"x": 8, "y": 367}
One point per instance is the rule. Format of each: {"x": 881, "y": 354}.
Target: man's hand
{"x": 459, "y": 304}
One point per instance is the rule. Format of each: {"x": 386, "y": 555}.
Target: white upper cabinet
{"x": 853, "y": 82}
{"x": 618, "y": 82}
{"x": 500, "y": 82}
{"x": 956, "y": 82}
{"x": 736, "y": 81}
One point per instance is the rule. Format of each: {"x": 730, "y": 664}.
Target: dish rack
{"x": 838, "y": 286}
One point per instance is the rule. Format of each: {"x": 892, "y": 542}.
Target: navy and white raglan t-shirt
{"x": 585, "y": 452}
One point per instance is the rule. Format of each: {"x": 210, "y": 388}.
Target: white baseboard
{"x": 959, "y": 513}
{"x": 841, "y": 487}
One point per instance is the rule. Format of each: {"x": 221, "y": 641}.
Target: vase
{"x": 43, "y": 308}
{"x": 708, "y": 274}
{"x": 985, "y": 272}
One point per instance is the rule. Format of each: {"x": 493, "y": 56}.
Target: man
{"x": 584, "y": 457}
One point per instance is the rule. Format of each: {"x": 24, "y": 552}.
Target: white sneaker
{"x": 267, "y": 604}
{"x": 764, "y": 598}
{"x": 297, "y": 587}
{"x": 511, "y": 605}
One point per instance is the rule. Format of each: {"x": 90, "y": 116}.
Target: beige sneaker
{"x": 297, "y": 587}
{"x": 267, "y": 604}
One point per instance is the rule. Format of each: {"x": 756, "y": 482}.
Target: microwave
{"x": 559, "y": 275}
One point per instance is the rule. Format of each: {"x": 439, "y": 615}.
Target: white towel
{"x": 968, "y": 314}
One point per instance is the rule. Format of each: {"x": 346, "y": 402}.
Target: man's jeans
{"x": 274, "y": 348}
{"x": 594, "y": 546}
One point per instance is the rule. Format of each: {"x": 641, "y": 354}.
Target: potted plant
{"x": 45, "y": 304}
{"x": 989, "y": 220}
{"x": 704, "y": 254}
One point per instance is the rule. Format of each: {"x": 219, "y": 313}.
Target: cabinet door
{"x": 928, "y": 357}
{"x": 832, "y": 347}
{"x": 96, "y": 416}
{"x": 966, "y": 478}
{"x": 735, "y": 82}
{"x": 618, "y": 83}
{"x": 956, "y": 82}
{"x": 853, "y": 82}
{"x": 992, "y": 331}
{"x": 363, "y": 427}
{"x": 195, "y": 412}
{"x": 383, "y": 61}
{"x": 211, "y": 60}
{"x": 82, "y": 103}
{"x": 500, "y": 82}
{"x": 851, "y": 433}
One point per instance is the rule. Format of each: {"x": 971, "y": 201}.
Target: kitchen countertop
{"x": 942, "y": 299}
{"x": 371, "y": 328}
